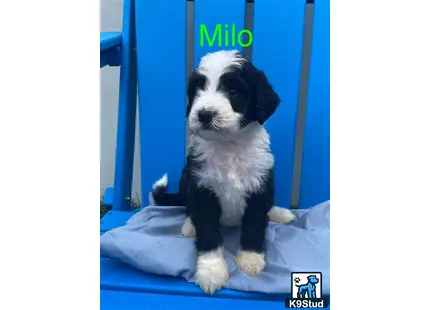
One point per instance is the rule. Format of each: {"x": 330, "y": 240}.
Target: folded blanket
{"x": 152, "y": 242}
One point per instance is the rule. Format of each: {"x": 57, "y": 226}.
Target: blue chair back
{"x": 288, "y": 39}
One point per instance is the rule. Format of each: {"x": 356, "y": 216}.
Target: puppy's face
{"x": 226, "y": 93}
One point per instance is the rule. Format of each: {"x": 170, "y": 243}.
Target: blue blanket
{"x": 151, "y": 241}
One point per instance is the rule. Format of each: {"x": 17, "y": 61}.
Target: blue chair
{"x": 160, "y": 44}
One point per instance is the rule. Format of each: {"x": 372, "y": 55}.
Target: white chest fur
{"x": 233, "y": 169}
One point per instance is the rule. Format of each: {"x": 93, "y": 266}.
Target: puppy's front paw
{"x": 212, "y": 271}
{"x": 281, "y": 215}
{"x": 251, "y": 263}
{"x": 188, "y": 229}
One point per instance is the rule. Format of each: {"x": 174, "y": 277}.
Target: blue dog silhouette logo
{"x": 306, "y": 285}
{"x": 307, "y": 290}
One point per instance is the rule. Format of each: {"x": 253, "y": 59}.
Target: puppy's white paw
{"x": 212, "y": 271}
{"x": 251, "y": 263}
{"x": 188, "y": 229}
{"x": 281, "y": 215}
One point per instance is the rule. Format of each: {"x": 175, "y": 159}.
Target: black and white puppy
{"x": 228, "y": 176}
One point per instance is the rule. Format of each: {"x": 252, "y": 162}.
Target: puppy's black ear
{"x": 267, "y": 100}
{"x": 195, "y": 81}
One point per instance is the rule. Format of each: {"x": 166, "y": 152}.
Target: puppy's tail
{"x": 160, "y": 196}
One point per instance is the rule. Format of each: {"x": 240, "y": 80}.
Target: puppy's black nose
{"x": 206, "y": 116}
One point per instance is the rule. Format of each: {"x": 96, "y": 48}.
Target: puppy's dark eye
{"x": 200, "y": 84}
{"x": 232, "y": 91}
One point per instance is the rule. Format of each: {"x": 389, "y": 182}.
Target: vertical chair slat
{"x": 315, "y": 186}
{"x": 301, "y": 105}
{"x": 126, "y": 113}
{"x": 277, "y": 49}
{"x": 161, "y": 57}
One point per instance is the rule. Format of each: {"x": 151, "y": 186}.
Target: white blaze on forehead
{"x": 213, "y": 65}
